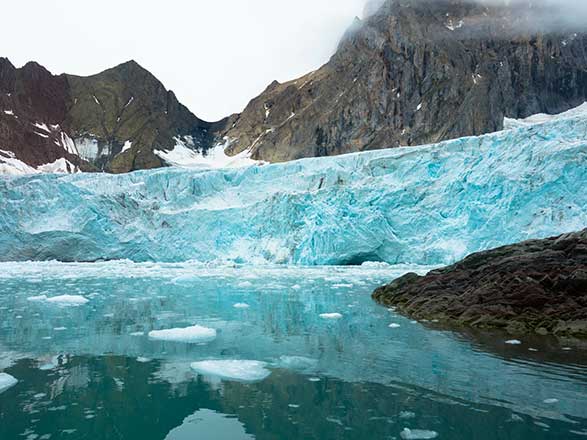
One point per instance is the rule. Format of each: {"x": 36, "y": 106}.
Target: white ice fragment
{"x": 297, "y": 362}
{"x": 6, "y": 381}
{"x": 513, "y": 342}
{"x": 68, "y": 300}
{"x": 143, "y": 360}
{"x": 60, "y": 329}
{"x": 394, "y": 325}
{"x": 550, "y": 401}
{"x": 331, "y": 316}
{"x": 190, "y": 335}
{"x": 9, "y": 112}
{"x": 239, "y": 370}
{"x": 418, "y": 434}
{"x": 241, "y": 306}
{"x": 407, "y": 415}
{"x": 39, "y": 298}
{"x": 137, "y": 334}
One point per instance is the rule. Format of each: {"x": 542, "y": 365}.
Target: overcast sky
{"x": 216, "y": 55}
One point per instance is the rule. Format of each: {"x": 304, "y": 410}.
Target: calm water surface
{"x": 90, "y": 371}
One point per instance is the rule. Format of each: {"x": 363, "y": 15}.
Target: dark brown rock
{"x": 535, "y": 286}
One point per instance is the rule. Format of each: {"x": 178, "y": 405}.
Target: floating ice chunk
{"x": 245, "y": 284}
{"x": 331, "y": 316}
{"x": 314, "y": 379}
{"x": 241, "y": 306}
{"x": 245, "y": 371}
{"x": 394, "y": 325}
{"x": 418, "y": 434}
{"x": 137, "y": 333}
{"x": 68, "y": 300}
{"x": 144, "y": 360}
{"x": 407, "y": 415}
{"x": 37, "y": 298}
{"x": 550, "y": 401}
{"x": 296, "y": 287}
{"x": 513, "y": 342}
{"x": 60, "y": 329}
{"x": 6, "y": 381}
{"x": 294, "y": 406}
{"x": 297, "y": 362}
{"x": 190, "y": 335}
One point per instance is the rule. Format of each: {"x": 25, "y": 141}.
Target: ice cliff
{"x": 423, "y": 205}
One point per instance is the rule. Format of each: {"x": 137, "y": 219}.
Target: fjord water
{"x": 88, "y": 370}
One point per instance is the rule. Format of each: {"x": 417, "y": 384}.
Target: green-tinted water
{"x": 91, "y": 371}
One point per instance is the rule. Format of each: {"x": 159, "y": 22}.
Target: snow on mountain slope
{"x": 418, "y": 205}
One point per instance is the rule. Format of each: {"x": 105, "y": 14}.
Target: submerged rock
{"x": 535, "y": 286}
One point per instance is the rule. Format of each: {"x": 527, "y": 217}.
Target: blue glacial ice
{"x": 422, "y": 205}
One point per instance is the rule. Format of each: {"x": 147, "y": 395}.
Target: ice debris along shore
{"x": 419, "y": 205}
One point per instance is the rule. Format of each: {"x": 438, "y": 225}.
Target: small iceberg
{"x": 418, "y": 434}
{"x": 191, "y": 335}
{"x": 297, "y": 363}
{"x": 6, "y": 381}
{"x": 394, "y": 325}
{"x": 68, "y": 300}
{"x": 331, "y": 316}
{"x": 241, "y": 306}
{"x": 244, "y": 371}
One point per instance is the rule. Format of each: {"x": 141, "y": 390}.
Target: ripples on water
{"x": 91, "y": 371}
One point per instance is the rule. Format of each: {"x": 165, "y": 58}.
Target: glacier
{"x": 428, "y": 205}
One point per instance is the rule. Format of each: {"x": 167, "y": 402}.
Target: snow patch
{"x": 184, "y": 156}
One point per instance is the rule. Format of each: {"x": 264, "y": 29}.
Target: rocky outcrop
{"x": 418, "y": 72}
{"x": 536, "y": 286}
{"x": 114, "y": 121}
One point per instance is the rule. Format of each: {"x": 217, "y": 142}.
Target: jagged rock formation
{"x": 418, "y": 72}
{"x": 114, "y": 121}
{"x": 538, "y": 285}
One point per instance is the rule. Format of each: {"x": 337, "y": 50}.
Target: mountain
{"x": 416, "y": 72}
{"x": 413, "y": 72}
{"x": 119, "y": 120}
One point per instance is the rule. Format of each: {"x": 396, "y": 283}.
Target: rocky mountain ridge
{"x": 116, "y": 121}
{"x": 412, "y": 72}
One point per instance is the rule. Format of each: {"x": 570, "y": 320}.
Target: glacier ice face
{"x": 419, "y": 205}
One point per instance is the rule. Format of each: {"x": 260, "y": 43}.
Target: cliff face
{"x": 115, "y": 121}
{"x": 418, "y": 72}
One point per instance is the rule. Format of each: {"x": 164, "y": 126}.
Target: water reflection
{"x": 93, "y": 371}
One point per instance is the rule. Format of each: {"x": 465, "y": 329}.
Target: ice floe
{"x": 6, "y": 381}
{"x": 241, "y": 306}
{"x": 330, "y": 316}
{"x": 68, "y": 300}
{"x": 239, "y": 370}
{"x": 418, "y": 434}
{"x": 191, "y": 335}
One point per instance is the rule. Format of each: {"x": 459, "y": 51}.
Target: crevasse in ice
{"x": 420, "y": 205}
